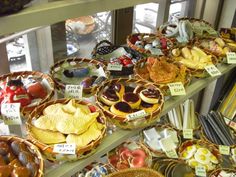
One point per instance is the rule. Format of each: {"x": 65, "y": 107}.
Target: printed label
{"x": 177, "y": 88}
{"x": 11, "y": 113}
{"x": 188, "y": 133}
{"x": 171, "y": 153}
{"x": 114, "y": 67}
{"x": 225, "y": 150}
{"x": 74, "y": 91}
{"x": 212, "y": 70}
{"x": 200, "y": 171}
{"x": 231, "y": 57}
{"x": 64, "y": 148}
{"x": 136, "y": 115}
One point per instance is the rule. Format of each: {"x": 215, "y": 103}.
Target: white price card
{"x": 177, "y": 88}
{"x": 64, "y": 148}
{"x": 212, "y": 70}
{"x": 136, "y": 115}
{"x": 200, "y": 171}
{"x": 188, "y": 133}
{"x": 11, "y": 113}
{"x": 114, "y": 67}
{"x": 225, "y": 150}
{"x": 171, "y": 154}
{"x": 74, "y": 91}
{"x": 232, "y": 124}
{"x": 231, "y": 57}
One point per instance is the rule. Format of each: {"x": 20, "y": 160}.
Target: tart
{"x": 110, "y": 97}
{"x": 150, "y": 96}
{"x": 121, "y": 109}
{"x": 132, "y": 99}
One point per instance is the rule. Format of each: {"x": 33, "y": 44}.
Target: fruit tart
{"x": 27, "y": 88}
{"x": 77, "y": 71}
{"x": 66, "y": 121}
{"x": 130, "y": 103}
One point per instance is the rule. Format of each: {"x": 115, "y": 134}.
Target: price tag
{"x": 225, "y": 150}
{"x": 200, "y": 171}
{"x": 64, "y": 148}
{"x": 114, "y": 67}
{"x": 171, "y": 154}
{"x": 136, "y": 115}
{"x": 11, "y": 113}
{"x": 74, "y": 91}
{"x": 176, "y": 88}
{"x": 227, "y": 120}
{"x": 212, "y": 70}
{"x": 231, "y": 57}
{"x": 188, "y": 133}
{"x": 232, "y": 124}
{"x": 233, "y": 151}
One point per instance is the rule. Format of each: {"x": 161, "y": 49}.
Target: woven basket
{"x": 201, "y": 73}
{"x": 106, "y": 47}
{"x": 141, "y": 64}
{"x": 26, "y": 110}
{"x": 136, "y": 172}
{"x": 202, "y": 143}
{"x": 60, "y": 85}
{"x": 148, "y": 159}
{"x": 131, "y": 39}
{"x": 122, "y": 122}
{"x": 159, "y": 126}
{"x": 12, "y": 6}
{"x": 47, "y": 150}
{"x": 32, "y": 148}
{"x": 216, "y": 172}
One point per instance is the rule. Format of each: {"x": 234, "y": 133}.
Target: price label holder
{"x": 231, "y": 57}
{"x": 176, "y": 88}
{"x": 200, "y": 171}
{"x": 64, "y": 148}
{"x": 212, "y": 70}
{"x": 171, "y": 154}
{"x": 188, "y": 133}
{"x": 11, "y": 113}
{"x": 114, "y": 67}
{"x": 225, "y": 150}
{"x": 136, "y": 115}
{"x": 74, "y": 91}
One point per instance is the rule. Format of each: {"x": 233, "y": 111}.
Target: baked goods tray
{"x": 69, "y": 168}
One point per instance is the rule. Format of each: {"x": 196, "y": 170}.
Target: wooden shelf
{"x": 69, "y": 168}
{"x": 45, "y": 14}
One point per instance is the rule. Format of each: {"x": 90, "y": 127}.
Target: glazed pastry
{"x": 110, "y": 97}
{"x": 150, "y": 96}
{"x": 20, "y": 172}
{"x": 17, "y": 147}
{"x": 5, "y": 170}
{"x": 121, "y": 109}
{"x": 118, "y": 88}
{"x": 25, "y": 157}
{"x": 15, "y": 163}
{"x": 132, "y": 99}
{"x": 36, "y": 90}
{"x": 149, "y": 108}
{"x": 4, "y": 148}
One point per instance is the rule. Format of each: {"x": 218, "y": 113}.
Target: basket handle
{"x": 94, "y": 52}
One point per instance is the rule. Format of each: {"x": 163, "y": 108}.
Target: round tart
{"x": 121, "y": 109}
{"x": 150, "y": 96}
{"x": 132, "y": 99}
{"x": 118, "y": 87}
{"x": 149, "y": 108}
{"x": 110, "y": 97}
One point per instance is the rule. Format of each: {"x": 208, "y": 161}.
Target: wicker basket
{"x": 76, "y": 61}
{"x": 32, "y": 149}
{"x": 131, "y": 39}
{"x": 122, "y": 122}
{"x": 135, "y": 145}
{"x": 47, "y": 150}
{"x": 159, "y": 153}
{"x": 216, "y": 172}
{"x": 106, "y": 47}
{"x": 136, "y": 172}
{"x": 12, "y": 6}
{"x": 26, "y": 110}
{"x": 141, "y": 64}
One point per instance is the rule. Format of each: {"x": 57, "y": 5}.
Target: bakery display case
{"x": 125, "y": 107}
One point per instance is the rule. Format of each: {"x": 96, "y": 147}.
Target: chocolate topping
{"x": 151, "y": 93}
{"x": 110, "y": 94}
{"x": 123, "y": 106}
{"x": 130, "y": 97}
{"x": 138, "y": 89}
{"x": 115, "y": 87}
{"x": 146, "y": 105}
{"x": 128, "y": 89}
{"x": 15, "y": 82}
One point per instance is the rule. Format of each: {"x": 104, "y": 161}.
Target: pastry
{"x": 132, "y": 99}
{"x": 150, "y": 96}
{"x": 25, "y": 157}
{"x": 17, "y": 146}
{"x": 118, "y": 87}
{"x": 149, "y": 108}
{"x": 36, "y": 90}
{"x": 4, "y": 148}
{"x": 5, "y": 170}
{"x": 121, "y": 109}
{"x": 110, "y": 97}
{"x": 20, "y": 172}
{"x": 138, "y": 89}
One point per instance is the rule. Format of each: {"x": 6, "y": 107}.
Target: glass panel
{"x": 145, "y": 18}
{"x": 177, "y": 10}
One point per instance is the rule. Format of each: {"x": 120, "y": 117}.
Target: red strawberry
{"x": 137, "y": 162}
{"x": 139, "y": 153}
